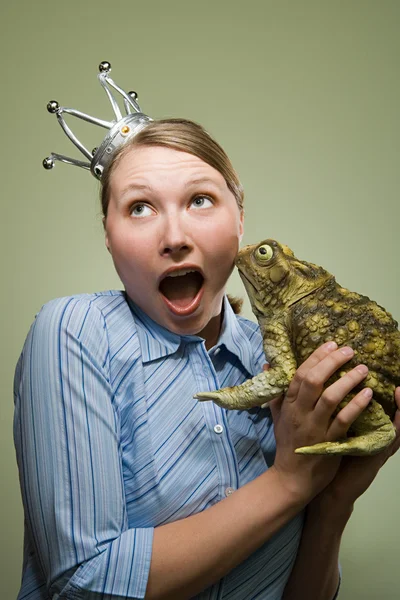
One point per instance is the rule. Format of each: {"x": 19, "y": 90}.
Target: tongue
{"x": 181, "y": 290}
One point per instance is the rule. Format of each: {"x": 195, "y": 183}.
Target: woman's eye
{"x": 140, "y": 210}
{"x": 201, "y": 202}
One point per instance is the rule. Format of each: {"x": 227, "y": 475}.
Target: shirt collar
{"x": 157, "y": 341}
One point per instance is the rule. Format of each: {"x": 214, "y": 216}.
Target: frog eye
{"x": 264, "y": 253}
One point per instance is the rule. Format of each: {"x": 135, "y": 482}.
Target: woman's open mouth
{"x": 182, "y": 290}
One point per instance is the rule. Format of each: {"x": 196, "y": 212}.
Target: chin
{"x": 186, "y": 326}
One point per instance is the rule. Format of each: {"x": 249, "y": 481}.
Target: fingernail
{"x": 347, "y": 351}
{"x": 363, "y": 369}
{"x": 367, "y": 392}
{"x": 331, "y": 346}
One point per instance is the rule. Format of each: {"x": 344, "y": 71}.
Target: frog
{"x": 299, "y": 306}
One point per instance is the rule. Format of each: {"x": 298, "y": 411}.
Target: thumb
{"x": 275, "y": 406}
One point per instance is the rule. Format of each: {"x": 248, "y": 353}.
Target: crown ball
{"x": 105, "y": 67}
{"x": 53, "y": 106}
{"x": 48, "y": 163}
{"x": 119, "y": 130}
{"x": 98, "y": 171}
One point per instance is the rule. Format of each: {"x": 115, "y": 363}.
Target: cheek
{"x": 129, "y": 251}
{"x": 225, "y": 230}
{"x": 221, "y": 249}
{"x": 231, "y": 232}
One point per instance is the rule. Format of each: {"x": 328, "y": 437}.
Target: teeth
{"x": 181, "y": 272}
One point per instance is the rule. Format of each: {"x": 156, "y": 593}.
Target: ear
{"x": 241, "y": 225}
{"x": 106, "y": 235}
{"x": 107, "y": 244}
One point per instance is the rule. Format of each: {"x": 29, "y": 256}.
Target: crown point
{"x": 53, "y": 106}
{"x": 105, "y": 67}
{"x": 48, "y": 163}
{"x": 119, "y": 130}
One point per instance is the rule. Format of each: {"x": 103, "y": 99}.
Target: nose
{"x": 174, "y": 238}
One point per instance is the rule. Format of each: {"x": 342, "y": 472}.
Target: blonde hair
{"x": 182, "y": 135}
{"x": 185, "y": 136}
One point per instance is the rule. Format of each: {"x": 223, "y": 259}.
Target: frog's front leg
{"x": 268, "y": 384}
{"x": 253, "y": 392}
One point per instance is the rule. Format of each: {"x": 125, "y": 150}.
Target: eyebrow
{"x": 136, "y": 186}
{"x": 147, "y": 187}
{"x": 200, "y": 180}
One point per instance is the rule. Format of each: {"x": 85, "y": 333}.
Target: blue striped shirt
{"x": 110, "y": 444}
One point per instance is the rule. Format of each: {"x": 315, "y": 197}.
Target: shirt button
{"x": 229, "y": 491}
{"x": 218, "y": 428}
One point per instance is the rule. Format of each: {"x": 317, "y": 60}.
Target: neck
{"x": 212, "y": 330}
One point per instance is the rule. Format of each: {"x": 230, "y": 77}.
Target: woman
{"x": 131, "y": 488}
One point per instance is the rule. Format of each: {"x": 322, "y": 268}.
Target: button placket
{"x": 216, "y": 422}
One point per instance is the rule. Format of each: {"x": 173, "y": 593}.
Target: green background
{"x": 304, "y": 97}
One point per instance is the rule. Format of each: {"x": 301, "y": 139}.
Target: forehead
{"x": 152, "y": 164}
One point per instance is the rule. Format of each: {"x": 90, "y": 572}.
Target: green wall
{"x": 303, "y": 95}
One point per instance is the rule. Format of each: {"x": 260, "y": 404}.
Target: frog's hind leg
{"x": 373, "y": 431}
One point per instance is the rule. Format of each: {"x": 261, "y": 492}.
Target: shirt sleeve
{"x": 66, "y": 433}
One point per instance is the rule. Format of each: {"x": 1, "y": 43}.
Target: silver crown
{"x": 119, "y": 132}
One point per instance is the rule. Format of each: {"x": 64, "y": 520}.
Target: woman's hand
{"x": 305, "y": 416}
{"x": 356, "y": 473}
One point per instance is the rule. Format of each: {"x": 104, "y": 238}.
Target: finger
{"x": 394, "y": 447}
{"x": 313, "y": 360}
{"x": 396, "y": 422}
{"x": 275, "y": 406}
{"x": 397, "y": 397}
{"x": 345, "y": 417}
{"x": 314, "y": 380}
{"x": 337, "y": 391}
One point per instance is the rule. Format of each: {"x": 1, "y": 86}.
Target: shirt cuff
{"x": 120, "y": 571}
